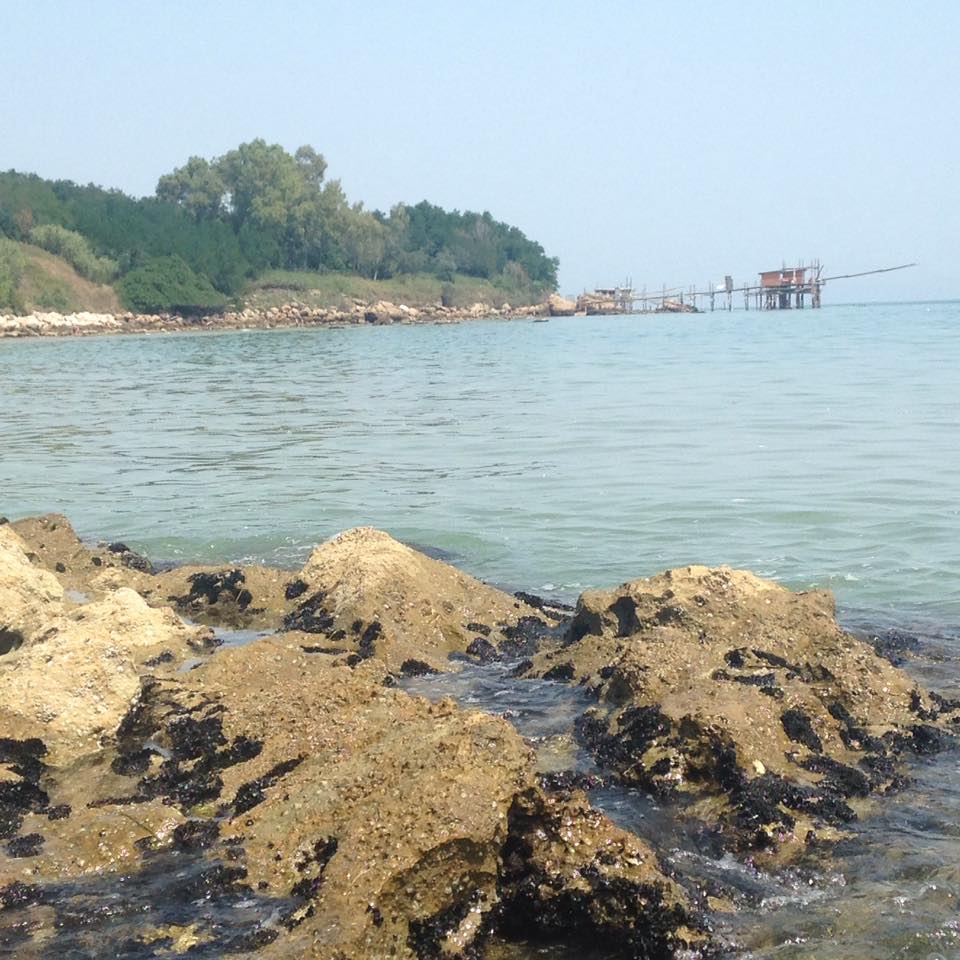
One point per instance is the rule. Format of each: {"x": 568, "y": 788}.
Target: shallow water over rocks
{"x": 892, "y": 890}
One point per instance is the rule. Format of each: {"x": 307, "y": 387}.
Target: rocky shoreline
{"x": 358, "y": 312}
{"x": 292, "y": 774}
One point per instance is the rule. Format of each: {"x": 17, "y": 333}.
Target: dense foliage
{"x": 75, "y": 249}
{"x": 256, "y": 208}
{"x": 168, "y": 284}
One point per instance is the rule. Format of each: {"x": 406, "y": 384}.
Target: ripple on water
{"x": 587, "y": 450}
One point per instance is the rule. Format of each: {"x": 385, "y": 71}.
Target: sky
{"x": 669, "y": 142}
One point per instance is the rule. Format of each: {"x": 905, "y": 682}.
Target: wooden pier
{"x": 784, "y": 288}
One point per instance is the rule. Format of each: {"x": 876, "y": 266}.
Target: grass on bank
{"x": 277, "y": 287}
{"x": 33, "y": 279}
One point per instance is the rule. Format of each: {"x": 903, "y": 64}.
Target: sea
{"x": 816, "y": 448}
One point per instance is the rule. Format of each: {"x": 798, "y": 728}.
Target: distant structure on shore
{"x": 784, "y": 288}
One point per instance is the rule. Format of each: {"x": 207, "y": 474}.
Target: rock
{"x": 379, "y": 817}
{"x": 52, "y": 539}
{"x": 744, "y": 700}
{"x": 383, "y": 599}
{"x": 237, "y": 597}
{"x": 71, "y": 694}
{"x": 365, "y": 821}
{"x": 93, "y": 840}
{"x": 367, "y": 593}
{"x": 29, "y": 595}
{"x": 560, "y": 307}
{"x": 380, "y": 824}
{"x": 72, "y": 684}
{"x": 142, "y": 631}
{"x": 572, "y": 875}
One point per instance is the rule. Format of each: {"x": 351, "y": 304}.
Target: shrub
{"x": 11, "y": 271}
{"x": 76, "y": 250}
{"x": 167, "y": 284}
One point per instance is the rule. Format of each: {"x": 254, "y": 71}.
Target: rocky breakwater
{"x": 380, "y": 313}
{"x": 746, "y": 705}
{"x": 277, "y": 798}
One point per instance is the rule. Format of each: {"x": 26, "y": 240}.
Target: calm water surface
{"x": 815, "y": 448}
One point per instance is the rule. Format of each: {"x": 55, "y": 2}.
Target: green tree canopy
{"x": 255, "y": 208}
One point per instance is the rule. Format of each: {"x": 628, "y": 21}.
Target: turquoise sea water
{"x": 815, "y": 447}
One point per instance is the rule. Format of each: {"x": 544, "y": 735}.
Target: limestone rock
{"x": 560, "y": 307}
{"x": 77, "y": 565}
{"x": 125, "y": 620}
{"x": 239, "y": 597}
{"x": 386, "y": 600}
{"x": 29, "y": 595}
{"x": 380, "y": 824}
{"x": 745, "y": 700}
{"x": 379, "y": 816}
{"x": 362, "y": 822}
{"x": 91, "y": 840}
{"x": 70, "y": 694}
{"x": 73, "y": 683}
{"x": 571, "y": 874}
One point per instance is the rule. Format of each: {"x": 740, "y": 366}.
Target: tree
{"x": 312, "y": 165}
{"x": 197, "y": 187}
{"x": 364, "y": 241}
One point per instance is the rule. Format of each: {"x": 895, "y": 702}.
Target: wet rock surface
{"x": 284, "y": 778}
{"x": 287, "y": 796}
{"x": 383, "y": 599}
{"x": 362, "y": 592}
{"x": 570, "y": 873}
{"x": 745, "y": 703}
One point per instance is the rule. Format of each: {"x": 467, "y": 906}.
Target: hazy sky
{"x": 672, "y": 142}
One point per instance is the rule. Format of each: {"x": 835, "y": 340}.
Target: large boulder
{"x": 368, "y": 593}
{"x": 560, "y": 307}
{"x": 72, "y": 685}
{"x": 355, "y": 820}
{"x": 744, "y": 701}
{"x": 29, "y": 595}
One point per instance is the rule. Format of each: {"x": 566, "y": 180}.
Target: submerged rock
{"x": 743, "y": 701}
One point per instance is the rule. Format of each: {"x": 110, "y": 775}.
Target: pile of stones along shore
{"x": 290, "y": 315}
{"x": 142, "y": 747}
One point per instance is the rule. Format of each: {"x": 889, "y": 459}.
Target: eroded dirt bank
{"x": 285, "y": 798}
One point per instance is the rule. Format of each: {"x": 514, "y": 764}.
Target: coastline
{"x": 294, "y": 314}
